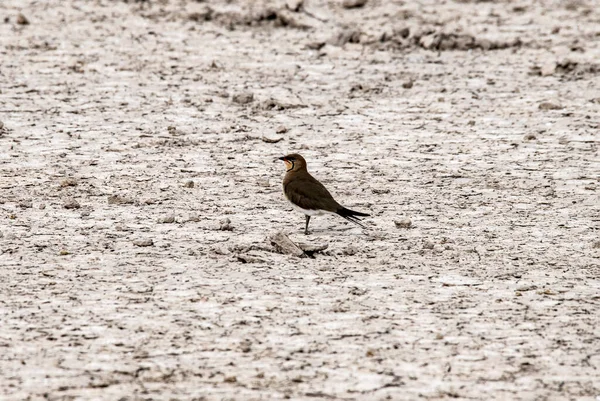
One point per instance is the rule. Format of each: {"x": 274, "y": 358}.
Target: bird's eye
{"x": 291, "y": 159}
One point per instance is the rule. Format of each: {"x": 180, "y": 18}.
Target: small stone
{"x": 349, "y": 250}
{"x": 404, "y": 223}
{"x": 529, "y": 137}
{"x": 549, "y": 106}
{"x": 42, "y": 206}
{"x": 353, "y": 3}
{"x": 408, "y": 84}
{"x": 282, "y": 129}
{"x": 22, "y": 20}
{"x": 71, "y": 204}
{"x": 294, "y": 5}
{"x": 143, "y": 242}
{"x": 243, "y": 98}
{"x": 283, "y": 244}
{"x": 1, "y": 125}
{"x": 225, "y": 225}
{"x": 189, "y": 184}
{"x": 64, "y": 252}
{"x": 428, "y": 245}
{"x": 596, "y": 245}
{"x": 167, "y": 220}
{"x": 26, "y": 204}
{"x": 118, "y": 200}
{"x": 68, "y": 182}
{"x": 548, "y": 69}
{"x": 86, "y": 213}
{"x": 230, "y": 379}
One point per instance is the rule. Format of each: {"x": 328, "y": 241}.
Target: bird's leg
{"x": 306, "y": 228}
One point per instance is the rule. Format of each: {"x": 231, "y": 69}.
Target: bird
{"x": 309, "y": 196}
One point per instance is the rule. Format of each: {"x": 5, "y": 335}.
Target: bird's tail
{"x": 350, "y": 215}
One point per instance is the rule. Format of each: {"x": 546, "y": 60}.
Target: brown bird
{"x": 309, "y": 196}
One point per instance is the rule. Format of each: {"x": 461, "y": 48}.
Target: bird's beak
{"x": 282, "y": 158}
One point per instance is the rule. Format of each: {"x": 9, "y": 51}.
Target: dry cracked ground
{"x": 139, "y": 196}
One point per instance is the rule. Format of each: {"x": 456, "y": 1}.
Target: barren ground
{"x": 478, "y": 121}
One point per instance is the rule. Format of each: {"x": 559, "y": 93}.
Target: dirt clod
{"x": 353, "y": 3}
{"x": 243, "y": 98}
{"x": 22, "y": 20}
{"x": 403, "y": 223}
{"x": 71, "y": 204}
{"x": 549, "y": 106}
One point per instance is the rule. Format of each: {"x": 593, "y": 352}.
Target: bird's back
{"x": 303, "y": 190}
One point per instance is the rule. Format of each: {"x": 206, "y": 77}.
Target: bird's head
{"x": 294, "y": 162}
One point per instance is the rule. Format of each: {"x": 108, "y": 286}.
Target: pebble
{"x": 22, "y": 20}
{"x": 404, "y": 223}
{"x": 408, "y": 84}
{"x": 243, "y": 98}
{"x": 282, "y": 129}
{"x": 167, "y": 220}
{"x": 118, "y": 200}
{"x": 353, "y": 3}
{"x": 1, "y": 125}
{"x": 225, "y": 225}
{"x": 428, "y": 245}
{"x": 189, "y": 184}
{"x": 283, "y": 244}
{"x": 529, "y": 137}
{"x": 549, "y": 106}
{"x": 68, "y": 182}
{"x": 548, "y": 69}
{"x": 71, "y": 204}
{"x": 143, "y": 242}
{"x": 294, "y": 5}
{"x": 26, "y": 204}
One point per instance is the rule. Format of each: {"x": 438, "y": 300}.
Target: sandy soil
{"x": 139, "y": 192}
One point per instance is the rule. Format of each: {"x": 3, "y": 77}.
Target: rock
{"x": 189, "y": 184}
{"x": 408, "y": 84}
{"x": 167, "y": 220}
{"x": 225, "y": 225}
{"x": 404, "y": 223}
{"x": 312, "y": 248}
{"x": 283, "y": 244}
{"x": 294, "y": 5}
{"x": 349, "y": 250}
{"x": 204, "y": 14}
{"x": 26, "y": 204}
{"x": 1, "y": 125}
{"x": 428, "y": 245}
{"x": 346, "y": 36}
{"x": 86, "y": 213}
{"x": 119, "y": 200}
{"x": 22, "y": 20}
{"x": 529, "y": 137}
{"x": 548, "y": 69}
{"x": 243, "y": 98}
{"x": 353, "y": 3}
{"x": 270, "y": 140}
{"x": 549, "y": 106}
{"x": 68, "y": 182}
{"x": 282, "y": 129}
{"x": 71, "y": 204}
{"x": 143, "y": 242}
{"x": 403, "y": 32}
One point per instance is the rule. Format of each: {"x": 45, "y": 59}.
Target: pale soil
{"x": 493, "y": 293}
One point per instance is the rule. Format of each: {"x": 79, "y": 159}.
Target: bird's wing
{"x": 308, "y": 193}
